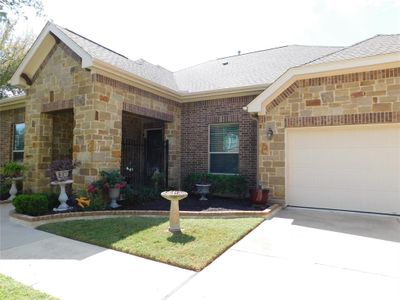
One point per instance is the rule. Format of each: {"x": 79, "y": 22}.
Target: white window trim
{"x": 209, "y": 152}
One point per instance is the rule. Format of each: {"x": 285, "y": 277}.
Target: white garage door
{"x": 348, "y": 167}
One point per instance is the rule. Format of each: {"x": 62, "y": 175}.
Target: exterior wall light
{"x": 270, "y": 134}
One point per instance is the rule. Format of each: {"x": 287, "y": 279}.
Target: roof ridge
{"x": 73, "y": 32}
{"x": 251, "y": 52}
{"x": 345, "y": 48}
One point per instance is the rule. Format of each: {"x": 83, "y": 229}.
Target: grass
{"x": 12, "y": 290}
{"x": 201, "y": 242}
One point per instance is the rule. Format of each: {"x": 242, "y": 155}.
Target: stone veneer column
{"x": 97, "y": 134}
{"x": 38, "y": 144}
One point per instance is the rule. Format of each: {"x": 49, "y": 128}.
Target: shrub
{"x": 13, "y": 169}
{"x": 31, "y": 204}
{"x": 220, "y": 184}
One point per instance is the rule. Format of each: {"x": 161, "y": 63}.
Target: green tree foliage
{"x": 12, "y": 51}
{"x": 17, "y": 8}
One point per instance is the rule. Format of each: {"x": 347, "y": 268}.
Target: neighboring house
{"x": 320, "y": 126}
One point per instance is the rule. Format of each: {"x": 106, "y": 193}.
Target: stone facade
{"x": 7, "y": 120}
{"x": 196, "y": 118}
{"x": 358, "y": 98}
{"x": 146, "y": 105}
{"x": 72, "y": 112}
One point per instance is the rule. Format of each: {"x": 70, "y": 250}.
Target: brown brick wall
{"x": 7, "y": 119}
{"x": 343, "y": 100}
{"x": 196, "y": 118}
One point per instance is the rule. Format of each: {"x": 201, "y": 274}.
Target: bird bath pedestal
{"x": 174, "y": 197}
{"x": 63, "y": 198}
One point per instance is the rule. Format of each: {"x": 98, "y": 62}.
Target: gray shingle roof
{"x": 377, "y": 45}
{"x": 260, "y": 67}
{"x": 138, "y": 67}
{"x": 255, "y": 68}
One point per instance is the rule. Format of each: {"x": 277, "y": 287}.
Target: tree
{"x": 16, "y": 8}
{"x": 12, "y": 52}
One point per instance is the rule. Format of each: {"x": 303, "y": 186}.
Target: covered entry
{"x": 347, "y": 167}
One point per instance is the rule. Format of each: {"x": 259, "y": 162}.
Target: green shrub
{"x": 52, "y": 199}
{"x": 220, "y": 184}
{"x": 31, "y": 204}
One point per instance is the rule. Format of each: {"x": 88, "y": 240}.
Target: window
{"x": 224, "y": 149}
{"x": 18, "y": 141}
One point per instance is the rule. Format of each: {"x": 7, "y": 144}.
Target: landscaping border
{"x": 87, "y": 215}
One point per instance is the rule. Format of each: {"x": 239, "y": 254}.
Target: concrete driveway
{"x": 307, "y": 254}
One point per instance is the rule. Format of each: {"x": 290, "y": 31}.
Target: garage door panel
{"x": 348, "y": 167}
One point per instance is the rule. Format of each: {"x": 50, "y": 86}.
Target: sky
{"x": 176, "y": 33}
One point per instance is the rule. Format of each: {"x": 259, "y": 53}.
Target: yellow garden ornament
{"x": 83, "y": 201}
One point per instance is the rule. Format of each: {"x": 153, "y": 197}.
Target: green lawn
{"x": 13, "y": 290}
{"x": 201, "y": 242}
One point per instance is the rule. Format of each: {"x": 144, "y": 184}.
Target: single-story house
{"x": 319, "y": 126}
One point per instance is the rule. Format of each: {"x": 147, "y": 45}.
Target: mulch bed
{"x": 192, "y": 203}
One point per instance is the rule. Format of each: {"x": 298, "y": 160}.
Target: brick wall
{"x": 196, "y": 118}
{"x": 358, "y": 98}
{"x": 7, "y": 120}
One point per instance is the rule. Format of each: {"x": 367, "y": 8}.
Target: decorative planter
{"x": 63, "y": 197}
{"x": 114, "y": 193}
{"x": 203, "y": 190}
{"x": 13, "y": 190}
{"x": 174, "y": 197}
{"x": 259, "y": 196}
{"x": 62, "y": 175}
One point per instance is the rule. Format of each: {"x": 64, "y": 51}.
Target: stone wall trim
{"x": 350, "y": 119}
{"x": 58, "y": 105}
{"x": 146, "y": 112}
{"x": 132, "y": 89}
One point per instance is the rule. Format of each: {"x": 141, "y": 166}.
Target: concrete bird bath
{"x": 174, "y": 197}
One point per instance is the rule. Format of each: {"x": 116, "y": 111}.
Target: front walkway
{"x": 299, "y": 254}
{"x": 73, "y": 270}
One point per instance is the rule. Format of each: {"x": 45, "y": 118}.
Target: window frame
{"x": 13, "y": 150}
{"x": 209, "y": 148}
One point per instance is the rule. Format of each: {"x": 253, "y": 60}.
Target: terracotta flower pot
{"x": 259, "y": 196}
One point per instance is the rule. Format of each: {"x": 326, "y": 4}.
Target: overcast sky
{"x": 177, "y": 33}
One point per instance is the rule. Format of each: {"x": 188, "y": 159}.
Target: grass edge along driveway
{"x": 11, "y": 289}
{"x": 201, "y": 242}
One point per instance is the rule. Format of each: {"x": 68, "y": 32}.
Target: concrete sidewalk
{"x": 70, "y": 269}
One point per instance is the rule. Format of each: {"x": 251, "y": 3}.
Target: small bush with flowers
{"x": 108, "y": 180}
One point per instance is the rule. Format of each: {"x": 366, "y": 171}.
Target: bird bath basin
{"x": 174, "y": 197}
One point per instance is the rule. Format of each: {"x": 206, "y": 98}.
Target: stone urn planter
{"x": 62, "y": 175}
{"x": 114, "y": 194}
{"x": 63, "y": 197}
{"x": 203, "y": 190}
{"x": 174, "y": 197}
{"x": 13, "y": 190}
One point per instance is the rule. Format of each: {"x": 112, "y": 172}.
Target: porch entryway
{"x": 144, "y": 150}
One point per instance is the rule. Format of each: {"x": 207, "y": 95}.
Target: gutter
{"x": 12, "y": 103}
{"x": 106, "y": 69}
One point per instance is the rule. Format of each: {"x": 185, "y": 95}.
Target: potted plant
{"x": 110, "y": 182}
{"x": 13, "y": 171}
{"x": 259, "y": 196}
{"x": 203, "y": 186}
{"x": 61, "y": 169}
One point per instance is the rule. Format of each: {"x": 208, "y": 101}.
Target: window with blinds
{"x": 18, "y": 142}
{"x": 224, "y": 149}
